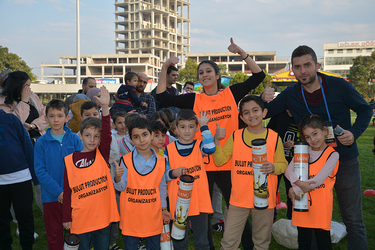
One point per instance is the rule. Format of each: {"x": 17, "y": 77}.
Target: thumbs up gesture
{"x": 220, "y": 134}
{"x": 118, "y": 172}
{"x": 173, "y": 60}
{"x": 235, "y": 49}
{"x": 268, "y": 93}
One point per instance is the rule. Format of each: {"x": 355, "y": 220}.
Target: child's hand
{"x": 167, "y": 217}
{"x": 220, "y": 132}
{"x": 305, "y": 185}
{"x": 118, "y": 172}
{"x": 60, "y": 197}
{"x": 67, "y": 225}
{"x": 104, "y": 96}
{"x": 203, "y": 120}
{"x": 179, "y": 171}
{"x": 292, "y": 195}
{"x": 267, "y": 168}
{"x": 144, "y": 104}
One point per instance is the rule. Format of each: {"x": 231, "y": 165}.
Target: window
{"x": 368, "y": 50}
{"x": 340, "y": 51}
{"x": 349, "y": 51}
{"x": 359, "y": 50}
{"x": 330, "y": 51}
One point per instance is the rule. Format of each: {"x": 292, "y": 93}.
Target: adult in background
{"x": 17, "y": 164}
{"x": 144, "y": 97}
{"x": 332, "y": 99}
{"x": 171, "y": 78}
{"x": 188, "y": 87}
{"x": 87, "y": 84}
{"x": 16, "y": 97}
{"x": 220, "y": 104}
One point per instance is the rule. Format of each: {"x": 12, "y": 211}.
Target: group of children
{"x": 96, "y": 181}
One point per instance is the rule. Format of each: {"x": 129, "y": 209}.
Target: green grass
{"x": 366, "y": 158}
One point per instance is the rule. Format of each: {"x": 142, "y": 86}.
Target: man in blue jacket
{"x": 50, "y": 150}
{"x": 332, "y": 99}
{"x": 16, "y": 172}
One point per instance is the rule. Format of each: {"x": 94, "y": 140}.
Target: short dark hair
{"x": 86, "y": 80}
{"x": 117, "y": 114}
{"x": 186, "y": 115}
{"x": 130, "y": 76}
{"x": 304, "y": 50}
{"x": 313, "y": 121}
{"x": 88, "y": 105}
{"x": 162, "y": 116}
{"x": 171, "y": 68}
{"x": 140, "y": 123}
{"x": 57, "y": 104}
{"x": 157, "y": 126}
{"x": 12, "y": 86}
{"x": 249, "y": 98}
{"x": 169, "y": 113}
{"x": 130, "y": 117}
{"x": 90, "y": 122}
{"x": 189, "y": 83}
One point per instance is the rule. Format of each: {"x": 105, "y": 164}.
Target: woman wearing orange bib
{"x": 220, "y": 104}
{"x": 323, "y": 166}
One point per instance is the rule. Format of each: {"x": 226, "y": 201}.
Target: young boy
{"x": 118, "y": 123}
{"x": 50, "y": 150}
{"x": 239, "y": 148}
{"x": 187, "y": 152}
{"x": 141, "y": 177}
{"x": 89, "y": 109}
{"x": 89, "y": 199}
{"x": 158, "y": 141}
{"x": 126, "y": 146}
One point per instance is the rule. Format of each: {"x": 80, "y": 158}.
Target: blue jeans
{"x": 131, "y": 242}
{"x": 100, "y": 239}
{"x": 349, "y": 195}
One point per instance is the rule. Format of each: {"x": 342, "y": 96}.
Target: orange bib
{"x": 321, "y": 199}
{"x": 93, "y": 195}
{"x": 140, "y": 205}
{"x": 200, "y": 201}
{"x": 222, "y": 109}
{"x": 242, "y": 194}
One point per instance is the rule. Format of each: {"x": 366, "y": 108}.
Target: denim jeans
{"x": 100, "y": 239}
{"x": 152, "y": 242}
{"x": 349, "y": 195}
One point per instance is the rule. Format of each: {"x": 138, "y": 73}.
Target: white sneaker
{"x": 18, "y": 234}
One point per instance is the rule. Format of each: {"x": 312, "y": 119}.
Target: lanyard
{"x": 324, "y": 98}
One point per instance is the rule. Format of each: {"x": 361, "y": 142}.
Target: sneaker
{"x": 115, "y": 247}
{"x": 35, "y": 234}
{"x": 219, "y": 227}
{"x": 141, "y": 246}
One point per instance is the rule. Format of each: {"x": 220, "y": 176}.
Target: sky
{"x": 41, "y": 30}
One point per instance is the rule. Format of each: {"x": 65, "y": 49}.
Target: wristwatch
{"x": 32, "y": 126}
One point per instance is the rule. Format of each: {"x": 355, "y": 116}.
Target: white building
{"x": 338, "y": 57}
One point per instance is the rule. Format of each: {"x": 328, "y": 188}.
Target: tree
{"x": 223, "y": 69}
{"x": 189, "y": 73}
{"x": 13, "y": 62}
{"x": 362, "y": 75}
{"x": 241, "y": 77}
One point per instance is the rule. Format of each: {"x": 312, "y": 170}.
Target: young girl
{"x": 126, "y": 95}
{"x": 323, "y": 166}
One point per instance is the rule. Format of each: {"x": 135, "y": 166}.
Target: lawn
{"x": 366, "y": 158}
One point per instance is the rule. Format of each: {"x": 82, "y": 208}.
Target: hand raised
{"x": 235, "y": 49}
{"x": 26, "y": 93}
{"x": 173, "y": 60}
{"x": 203, "y": 120}
{"x": 220, "y": 132}
{"x": 119, "y": 171}
{"x": 268, "y": 93}
{"x": 104, "y": 96}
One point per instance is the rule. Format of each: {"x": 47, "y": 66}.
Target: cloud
{"x": 23, "y": 2}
